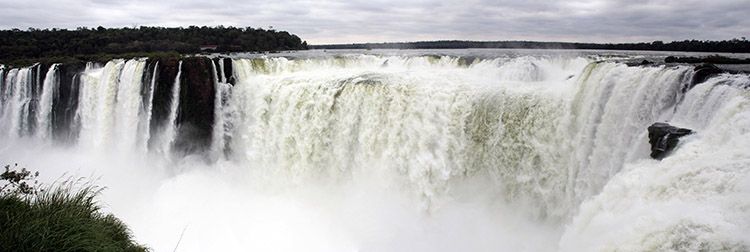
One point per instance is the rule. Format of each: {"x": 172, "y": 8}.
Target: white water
{"x": 17, "y": 101}
{"x": 144, "y": 129}
{"x": 222, "y": 113}
{"x": 96, "y": 102}
{"x": 410, "y": 153}
{"x": 694, "y": 200}
{"x": 128, "y": 104}
{"x": 49, "y": 89}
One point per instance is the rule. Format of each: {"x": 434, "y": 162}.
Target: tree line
{"x": 18, "y": 44}
{"x": 729, "y": 46}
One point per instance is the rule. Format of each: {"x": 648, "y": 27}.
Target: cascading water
{"x": 17, "y": 100}
{"x": 49, "y": 90}
{"x": 397, "y": 152}
{"x": 222, "y": 114}
{"x": 695, "y": 200}
{"x": 145, "y": 116}
{"x": 129, "y": 103}
{"x": 96, "y": 101}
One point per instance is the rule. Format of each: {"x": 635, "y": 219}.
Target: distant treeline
{"x": 732, "y": 46}
{"x": 33, "y": 43}
{"x": 712, "y": 59}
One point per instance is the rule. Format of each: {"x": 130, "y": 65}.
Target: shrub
{"x": 65, "y": 217}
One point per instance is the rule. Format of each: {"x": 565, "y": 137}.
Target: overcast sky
{"x": 349, "y": 21}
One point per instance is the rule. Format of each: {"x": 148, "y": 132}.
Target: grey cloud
{"x": 343, "y": 21}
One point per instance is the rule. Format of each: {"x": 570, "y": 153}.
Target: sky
{"x": 358, "y": 21}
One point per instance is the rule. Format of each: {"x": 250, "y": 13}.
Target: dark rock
{"x": 65, "y": 102}
{"x": 166, "y": 72}
{"x": 196, "y": 111}
{"x": 196, "y": 103}
{"x": 703, "y": 72}
{"x": 664, "y": 138}
{"x": 228, "y": 70}
{"x": 642, "y": 63}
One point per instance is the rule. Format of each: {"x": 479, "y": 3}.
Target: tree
{"x": 18, "y": 182}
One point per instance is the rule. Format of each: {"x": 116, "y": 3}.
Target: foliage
{"x": 18, "y": 181}
{"x": 83, "y": 42}
{"x": 62, "y": 218}
{"x": 734, "y": 45}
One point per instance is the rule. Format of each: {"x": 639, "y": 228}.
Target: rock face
{"x": 167, "y": 71}
{"x": 703, "y": 72}
{"x": 65, "y": 102}
{"x": 664, "y": 138}
{"x": 196, "y": 110}
{"x": 228, "y": 70}
{"x": 196, "y": 104}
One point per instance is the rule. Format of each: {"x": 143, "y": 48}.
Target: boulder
{"x": 703, "y": 73}
{"x": 664, "y": 138}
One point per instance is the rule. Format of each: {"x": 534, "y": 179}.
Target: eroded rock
{"x": 664, "y": 138}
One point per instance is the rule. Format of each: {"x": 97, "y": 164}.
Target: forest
{"x": 83, "y": 43}
{"x": 727, "y": 46}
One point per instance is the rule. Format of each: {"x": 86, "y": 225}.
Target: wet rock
{"x": 703, "y": 72}
{"x": 664, "y": 138}
{"x": 196, "y": 111}
{"x": 228, "y": 70}
{"x": 65, "y": 101}
{"x": 165, "y": 76}
{"x": 642, "y": 63}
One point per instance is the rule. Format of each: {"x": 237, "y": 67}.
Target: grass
{"x": 62, "y": 218}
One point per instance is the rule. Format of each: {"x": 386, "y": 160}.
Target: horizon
{"x": 377, "y": 42}
{"x": 347, "y": 22}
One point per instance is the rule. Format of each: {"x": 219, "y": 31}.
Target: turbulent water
{"x": 466, "y": 150}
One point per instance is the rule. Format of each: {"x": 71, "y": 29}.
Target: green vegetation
{"x": 18, "y": 47}
{"x": 734, "y": 45}
{"x": 62, "y": 218}
{"x": 713, "y": 59}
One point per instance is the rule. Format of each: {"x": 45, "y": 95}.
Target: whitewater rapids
{"x": 483, "y": 150}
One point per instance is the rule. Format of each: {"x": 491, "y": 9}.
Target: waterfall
{"x": 693, "y": 200}
{"x": 221, "y": 69}
{"x": 218, "y": 141}
{"x": 144, "y": 129}
{"x": 223, "y": 114}
{"x": 44, "y": 111}
{"x": 169, "y": 131}
{"x": 2, "y": 90}
{"x": 7, "y": 102}
{"x": 96, "y": 103}
{"x": 109, "y": 104}
{"x": 129, "y": 104}
{"x": 557, "y": 140}
{"x": 17, "y": 100}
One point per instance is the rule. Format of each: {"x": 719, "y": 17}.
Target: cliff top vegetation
{"x": 23, "y": 47}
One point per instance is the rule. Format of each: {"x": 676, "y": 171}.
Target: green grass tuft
{"x": 62, "y": 218}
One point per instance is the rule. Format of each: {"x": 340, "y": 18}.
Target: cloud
{"x": 342, "y": 21}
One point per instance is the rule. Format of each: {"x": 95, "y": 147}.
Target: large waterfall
{"x": 486, "y": 150}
